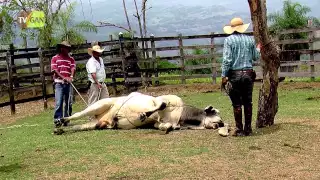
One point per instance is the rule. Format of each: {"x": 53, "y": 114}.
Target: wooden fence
{"x": 115, "y": 58}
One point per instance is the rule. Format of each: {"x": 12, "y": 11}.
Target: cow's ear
{"x": 208, "y": 109}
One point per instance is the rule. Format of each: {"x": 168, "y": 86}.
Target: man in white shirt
{"x": 96, "y": 75}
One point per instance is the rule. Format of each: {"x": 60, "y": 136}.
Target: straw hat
{"x": 236, "y": 24}
{"x": 64, "y": 43}
{"x": 95, "y": 48}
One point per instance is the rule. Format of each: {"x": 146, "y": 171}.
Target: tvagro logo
{"x": 31, "y": 19}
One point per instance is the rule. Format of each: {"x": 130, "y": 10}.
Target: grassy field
{"x": 288, "y": 150}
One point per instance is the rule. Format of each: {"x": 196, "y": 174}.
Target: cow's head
{"x": 212, "y": 118}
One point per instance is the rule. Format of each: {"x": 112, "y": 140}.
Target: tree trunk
{"x": 144, "y": 23}
{"x": 140, "y": 26}
{"x": 270, "y": 62}
{"x": 149, "y": 75}
{"x": 125, "y": 12}
{"x": 141, "y": 35}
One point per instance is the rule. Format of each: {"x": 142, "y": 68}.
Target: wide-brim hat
{"x": 64, "y": 43}
{"x": 95, "y": 48}
{"x": 236, "y": 24}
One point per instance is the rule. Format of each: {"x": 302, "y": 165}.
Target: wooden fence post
{"x": 123, "y": 63}
{"x": 183, "y": 77}
{"x": 311, "y": 47}
{"x": 12, "y": 64}
{"x": 214, "y": 60}
{"x": 43, "y": 78}
{"x": 154, "y": 59}
{"x": 10, "y": 82}
{"x": 114, "y": 81}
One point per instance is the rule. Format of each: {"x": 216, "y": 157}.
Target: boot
{"x": 248, "y": 120}
{"x": 237, "y": 111}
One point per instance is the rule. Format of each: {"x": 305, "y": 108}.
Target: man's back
{"x": 239, "y": 52}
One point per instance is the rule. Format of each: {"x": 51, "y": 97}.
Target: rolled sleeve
{"x": 73, "y": 64}
{"x": 91, "y": 67}
{"x": 54, "y": 66}
{"x": 227, "y": 58}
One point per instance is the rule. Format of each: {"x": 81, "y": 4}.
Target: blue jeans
{"x": 62, "y": 93}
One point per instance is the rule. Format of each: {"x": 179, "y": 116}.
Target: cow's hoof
{"x": 58, "y": 131}
{"x": 143, "y": 117}
{"x": 57, "y": 123}
{"x": 163, "y": 106}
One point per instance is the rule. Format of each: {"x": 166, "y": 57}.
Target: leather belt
{"x": 242, "y": 70}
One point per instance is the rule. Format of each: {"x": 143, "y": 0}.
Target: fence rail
{"x": 42, "y": 78}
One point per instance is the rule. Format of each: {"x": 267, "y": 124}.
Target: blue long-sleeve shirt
{"x": 239, "y": 51}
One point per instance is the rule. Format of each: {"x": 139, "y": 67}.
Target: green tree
{"x": 293, "y": 15}
{"x": 65, "y": 28}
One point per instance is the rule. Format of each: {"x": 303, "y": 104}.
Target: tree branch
{"x": 106, "y": 24}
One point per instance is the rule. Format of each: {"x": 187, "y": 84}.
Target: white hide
{"x": 172, "y": 113}
{"x": 127, "y": 109}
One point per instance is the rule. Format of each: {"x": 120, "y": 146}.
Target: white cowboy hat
{"x": 236, "y": 24}
{"x": 64, "y": 43}
{"x": 95, "y": 48}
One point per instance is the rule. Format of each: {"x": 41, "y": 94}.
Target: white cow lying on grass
{"x": 166, "y": 113}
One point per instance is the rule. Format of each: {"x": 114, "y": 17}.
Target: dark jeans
{"x": 242, "y": 87}
{"x": 62, "y": 93}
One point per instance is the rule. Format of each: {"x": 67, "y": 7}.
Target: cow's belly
{"x": 132, "y": 120}
{"x": 128, "y": 110}
{"x": 172, "y": 113}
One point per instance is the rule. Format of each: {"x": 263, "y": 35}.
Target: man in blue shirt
{"x": 239, "y": 52}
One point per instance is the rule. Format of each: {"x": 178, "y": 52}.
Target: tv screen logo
{"x": 31, "y": 19}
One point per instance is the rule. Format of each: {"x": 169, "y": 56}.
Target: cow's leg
{"x": 94, "y": 125}
{"x": 196, "y": 127}
{"x": 167, "y": 127}
{"x": 158, "y": 107}
{"x": 93, "y": 110}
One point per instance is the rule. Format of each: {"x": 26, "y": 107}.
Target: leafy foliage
{"x": 192, "y": 62}
{"x": 66, "y": 29}
{"x": 293, "y": 15}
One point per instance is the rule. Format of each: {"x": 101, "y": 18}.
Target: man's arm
{"x": 256, "y": 51}
{"x": 54, "y": 67}
{"x": 94, "y": 77}
{"x": 73, "y": 67}
{"x": 227, "y": 58}
{"x": 91, "y": 69}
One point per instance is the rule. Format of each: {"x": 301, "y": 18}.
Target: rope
{"x": 69, "y": 101}
{"x": 78, "y": 93}
{"x": 121, "y": 107}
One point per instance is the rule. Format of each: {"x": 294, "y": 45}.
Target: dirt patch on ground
{"x": 23, "y": 110}
{"x": 299, "y": 85}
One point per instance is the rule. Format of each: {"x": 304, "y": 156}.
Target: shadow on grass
{"x": 281, "y": 126}
{"x": 10, "y": 168}
{"x": 267, "y": 130}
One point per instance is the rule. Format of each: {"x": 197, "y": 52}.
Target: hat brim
{"x": 64, "y": 45}
{"x": 90, "y": 50}
{"x": 241, "y": 29}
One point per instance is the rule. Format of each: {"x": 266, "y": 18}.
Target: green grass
{"x": 289, "y": 149}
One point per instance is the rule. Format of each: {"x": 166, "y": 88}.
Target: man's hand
{"x": 68, "y": 79}
{"x": 224, "y": 81}
{"x": 259, "y": 46}
{"x": 99, "y": 85}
